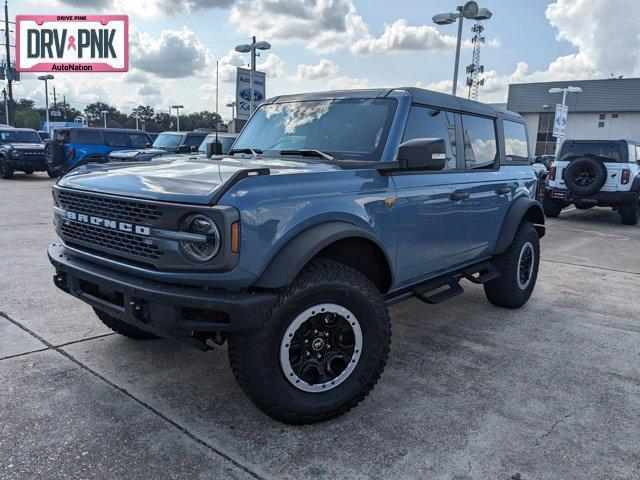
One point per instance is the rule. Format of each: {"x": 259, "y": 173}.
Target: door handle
{"x": 459, "y": 195}
{"x": 503, "y": 190}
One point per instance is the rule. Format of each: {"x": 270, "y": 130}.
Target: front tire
{"x": 518, "y": 267}
{"x": 6, "y": 170}
{"x": 322, "y": 349}
{"x": 123, "y": 328}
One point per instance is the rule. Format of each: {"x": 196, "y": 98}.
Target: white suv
{"x": 595, "y": 172}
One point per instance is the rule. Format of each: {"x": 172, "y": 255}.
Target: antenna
{"x": 475, "y": 70}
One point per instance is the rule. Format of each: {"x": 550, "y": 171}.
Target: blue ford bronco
{"x": 328, "y": 208}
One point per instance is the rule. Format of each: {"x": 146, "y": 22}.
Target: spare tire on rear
{"x": 585, "y": 176}
{"x": 54, "y": 154}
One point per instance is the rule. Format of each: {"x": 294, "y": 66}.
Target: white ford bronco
{"x": 592, "y": 173}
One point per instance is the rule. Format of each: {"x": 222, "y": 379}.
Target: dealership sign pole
{"x": 560, "y": 120}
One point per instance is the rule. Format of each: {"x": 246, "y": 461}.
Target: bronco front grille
{"x": 116, "y": 209}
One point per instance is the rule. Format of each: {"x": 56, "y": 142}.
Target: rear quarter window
{"x": 516, "y": 151}
{"x": 115, "y": 139}
{"x": 608, "y": 152}
{"x": 88, "y": 137}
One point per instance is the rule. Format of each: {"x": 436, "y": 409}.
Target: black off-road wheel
{"x": 321, "y": 350}
{"x": 630, "y": 213}
{"x": 552, "y": 208}
{"x": 52, "y": 173}
{"x": 518, "y": 267}
{"x": 6, "y": 170}
{"x": 123, "y": 328}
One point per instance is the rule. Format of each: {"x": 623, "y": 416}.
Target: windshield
{"x": 167, "y": 140}
{"x": 226, "y": 143}
{"x": 19, "y": 136}
{"x": 354, "y": 129}
{"x": 609, "y": 152}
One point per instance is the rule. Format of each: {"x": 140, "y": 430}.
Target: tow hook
{"x": 137, "y": 310}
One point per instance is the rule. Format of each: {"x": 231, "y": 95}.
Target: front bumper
{"x": 605, "y": 199}
{"x": 168, "y": 310}
{"x": 35, "y": 164}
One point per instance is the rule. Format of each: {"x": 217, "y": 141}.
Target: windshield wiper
{"x": 253, "y": 151}
{"x": 307, "y": 153}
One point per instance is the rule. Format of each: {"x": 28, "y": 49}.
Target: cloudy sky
{"x": 329, "y": 44}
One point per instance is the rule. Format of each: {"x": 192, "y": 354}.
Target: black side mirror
{"x": 214, "y": 148}
{"x": 147, "y": 145}
{"x": 193, "y": 149}
{"x": 422, "y": 154}
{"x": 183, "y": 149}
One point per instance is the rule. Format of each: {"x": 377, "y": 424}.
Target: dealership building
{"x": 606, "y": 109}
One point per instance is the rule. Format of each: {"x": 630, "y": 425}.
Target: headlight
{"x": 15, "y": 153}
{"x": 204, "y": 248}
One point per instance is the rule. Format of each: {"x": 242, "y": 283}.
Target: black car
{"x": 21, "y": 149}
{"x": 167, "y": 143}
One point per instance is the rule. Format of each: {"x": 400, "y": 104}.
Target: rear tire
{"x": 123, "y": 328}
{"x": 52, "y": 174}
{"x": 518, "y": 267}
{"x": 271, "y": 363}
{"x": 630, "y": 213}
{"x": 552, "y": 209}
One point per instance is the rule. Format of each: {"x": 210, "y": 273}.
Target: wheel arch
{"x": 522, "y": 208}
{"x": 340, "y": 241}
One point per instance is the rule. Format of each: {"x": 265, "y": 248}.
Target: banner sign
{"x": 72, "y": 43}
{"x": 243, "y": 92}
{"x": 560, "y": 121}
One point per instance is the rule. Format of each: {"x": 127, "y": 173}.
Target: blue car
{"x": 328, "y": 208}
{"x": 74, "y": 146}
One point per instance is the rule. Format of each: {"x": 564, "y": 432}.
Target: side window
{"x": 88, "y": 137}
{"x": 194, "y": 140}
{"x": 632, "y": 153}
{"x": 432, "y": 123}
{"x": 139, "y": 140}
{"x": 480, "y": 147}
{"x": 638, "y": 154}
{"x": 115, "y": 139}
{"x": 515, "y": 143}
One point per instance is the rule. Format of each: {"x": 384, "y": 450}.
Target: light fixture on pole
{"x": 177, "y": 107}
{"x": 563, "y": 91}
{"x": 104, "y": 117}
{"x": 232, "y": 105}
{"x": 46, "y": 78}
{"x": 470, "y": 11}
{"x": 252, "y": 47}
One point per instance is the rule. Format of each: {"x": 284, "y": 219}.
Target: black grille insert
{"x": 111, "y": 208}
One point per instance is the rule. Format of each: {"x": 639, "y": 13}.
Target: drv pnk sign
{"x": 72, "y": 43}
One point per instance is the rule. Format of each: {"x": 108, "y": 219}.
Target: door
{"x": 431, "y": 227}
{"x": 491, "y": 190}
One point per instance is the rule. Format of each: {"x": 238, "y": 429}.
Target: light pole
{"x": 136, "y": 115}
{"x": 252, "y": 47}
{"x": 46, "y": 78}
{"x": 232, "y": 105}
{"x": 177, "y": 107}
{"x": 564, "y": 92}
{"x": 104, "y": 117}
{"x": 470, "y": 11}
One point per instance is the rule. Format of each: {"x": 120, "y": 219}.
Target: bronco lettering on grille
{"x": 106, "y": 223}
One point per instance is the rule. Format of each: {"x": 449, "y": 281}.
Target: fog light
{"x": 205, "y": 249}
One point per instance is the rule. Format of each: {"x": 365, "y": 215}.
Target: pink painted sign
{"x": 72, "y": 43}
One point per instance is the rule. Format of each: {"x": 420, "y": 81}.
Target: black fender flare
{"x": 522, "y": 207}
{"x": 293, "y": 256}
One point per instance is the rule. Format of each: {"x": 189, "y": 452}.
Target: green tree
{"x": 145, "y": 112}
{"x": 165, "y": 120}
{"x": 93, "y": 111}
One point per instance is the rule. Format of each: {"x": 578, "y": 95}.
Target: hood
{"x": 133, "y": 153}
{"x": 182, "y": 180}
{"x": 27, "y": 146}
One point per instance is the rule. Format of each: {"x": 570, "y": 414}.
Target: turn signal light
{"x": 235, "y": 237}
{"x": 626, "y": 176}
{"x": 72, "y": 153}
{"x": 552, "y": 172}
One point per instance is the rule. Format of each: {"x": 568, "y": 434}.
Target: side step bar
{"x": 480, "y": 273}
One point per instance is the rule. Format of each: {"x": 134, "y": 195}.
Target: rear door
{"x": 611, "y": 153}
{"x": 431, "y": 226}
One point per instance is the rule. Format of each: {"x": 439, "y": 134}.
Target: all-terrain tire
{"x": 255, "y": 356}
{"x": 123, "y": 328}
{"x": 630, "y": 213}
{"x": 509, "y": 290}
{"x": 52, "y": 173}
{"x": 6, "y": 171}
{"x": 552, "y": 209}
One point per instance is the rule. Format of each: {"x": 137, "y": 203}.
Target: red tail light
{"x": 552, "y": 172}
{"x": 72, "y": 153}
{"x": 626, "y": 176}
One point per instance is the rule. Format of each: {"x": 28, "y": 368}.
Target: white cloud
{"x": 348, "y": 83}
{"x": 176, "y": 54}
{"x": 228, "y": 63}
{"x": 146, "y": 8}
{"x": 325, "y": 68}
{"x": 273, "y": 66}
{"x": 324, "y": 25}
{"x": 400, "y": 37}
{"x": 149, "y": 90}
